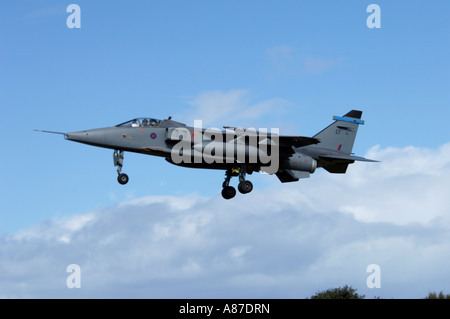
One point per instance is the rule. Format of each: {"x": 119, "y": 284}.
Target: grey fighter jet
{"x": 236, "y": 151}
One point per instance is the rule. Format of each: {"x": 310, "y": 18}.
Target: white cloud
{"x": 230, "y": 107}
{"x": 46, "y": 12}
{"x": 287, "y": 60}
{"x": 281, "y": 57}
{"x": 315, "y": 65}
{"x": 66, "y": 228}
{"x": 289, "y": 240}
{"x": 408, "y": 186}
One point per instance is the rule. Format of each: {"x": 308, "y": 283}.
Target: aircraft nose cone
{"x": 92, "y": 137}
{"x": 77, "y": 136}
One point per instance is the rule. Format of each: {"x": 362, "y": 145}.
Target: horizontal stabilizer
{"x": 340, "y": 157}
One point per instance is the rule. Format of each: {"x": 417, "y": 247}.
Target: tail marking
{"x": 349, "y": 120}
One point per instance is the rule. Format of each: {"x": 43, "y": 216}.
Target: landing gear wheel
{"x": 245, "y": 187}
{"x": 122, "y": 178}
{"x": 228, "y": 192}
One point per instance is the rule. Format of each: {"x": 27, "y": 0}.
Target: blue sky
{"x": 285, "y": 64}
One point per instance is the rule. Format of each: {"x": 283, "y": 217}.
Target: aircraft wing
{"x": 285, "y": 141}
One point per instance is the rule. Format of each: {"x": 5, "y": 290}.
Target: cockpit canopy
{"x": 141, "y": 122}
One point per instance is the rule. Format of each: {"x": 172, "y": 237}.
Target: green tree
{"x": 433, "y": 295}
{"x": 346, "y": 292}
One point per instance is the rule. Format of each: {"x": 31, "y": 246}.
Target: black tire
{"x": 228, "y": 192}
{"x": 122, "y": 178}
{"x": 245, "y": 187}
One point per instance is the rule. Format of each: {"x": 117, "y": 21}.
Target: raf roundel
{"x": 153, "y": 135}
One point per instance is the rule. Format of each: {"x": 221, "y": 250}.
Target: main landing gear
{"x": 244, "y": 185}
{"x": 118, "y": 161}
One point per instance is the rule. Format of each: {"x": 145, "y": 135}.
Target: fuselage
{"x": 197, "y": 147}
{"x": 237, "y": 151}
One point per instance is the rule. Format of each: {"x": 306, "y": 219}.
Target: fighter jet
{"x": 236, "y": 151}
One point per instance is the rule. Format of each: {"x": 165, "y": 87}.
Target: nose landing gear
{"x": 122, "y": 178}
{"x": 118, "y": 161}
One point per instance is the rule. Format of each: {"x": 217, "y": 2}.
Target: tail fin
{"x": 340, "y": 135}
